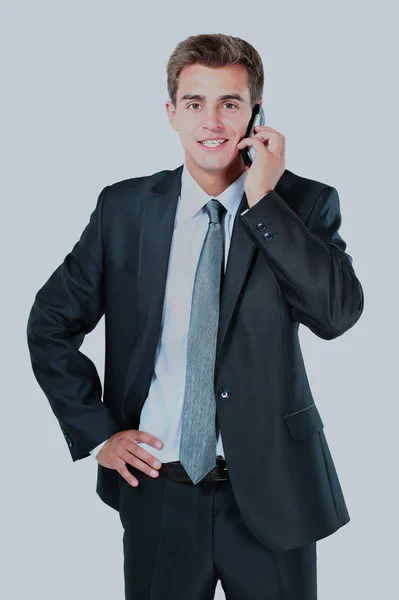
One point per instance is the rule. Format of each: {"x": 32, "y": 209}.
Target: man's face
{"x": 211, "y": 116}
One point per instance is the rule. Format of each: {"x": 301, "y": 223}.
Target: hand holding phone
{"x": 265, "y": 172}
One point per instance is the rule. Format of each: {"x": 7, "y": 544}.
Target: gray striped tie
{"x": 198, "y": 434}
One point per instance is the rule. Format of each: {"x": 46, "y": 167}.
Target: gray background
{"x": 83, "y": 105}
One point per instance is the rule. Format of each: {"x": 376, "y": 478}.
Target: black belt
{"x": 175, "y": 470}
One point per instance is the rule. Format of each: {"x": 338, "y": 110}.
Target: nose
{"x": 212, "y": 119}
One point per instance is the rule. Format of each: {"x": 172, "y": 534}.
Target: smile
{"x": 213, "y": 145}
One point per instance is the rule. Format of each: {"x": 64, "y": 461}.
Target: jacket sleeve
{"x": 314, "y": 272}
{"x": 65, "y": 309}
{"x": 97, "y": 449}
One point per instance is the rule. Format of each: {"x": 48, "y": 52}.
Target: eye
{"x": 225, "y": 104}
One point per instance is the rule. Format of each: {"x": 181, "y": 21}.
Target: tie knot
{"x": 215, "y": 210}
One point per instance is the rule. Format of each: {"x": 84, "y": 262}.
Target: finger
{"x": 254, "y": 141}
{"x": 262, "y": 135}
{"x": 137, "y": 450}
{"x": 271, "y": 136}
{"x": 134, "y": 461}
{"x": 276, "y": 144}
{"x": 148, "y": 438}
{"x": 126, "y": 474}
{"x": 249, "y": 141}
{"x": 282, "y": 147}
{"x": 257, "y": 141}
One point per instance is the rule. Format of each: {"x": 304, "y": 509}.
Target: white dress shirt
{"x": 161, "y": 414}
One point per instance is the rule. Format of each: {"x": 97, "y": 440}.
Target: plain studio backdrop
{"x": 83, "y": 106}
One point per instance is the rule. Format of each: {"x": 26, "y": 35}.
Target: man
{"x": 204, "y": 274}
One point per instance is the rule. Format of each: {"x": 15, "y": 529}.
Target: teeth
{"x": 213, "y": 143}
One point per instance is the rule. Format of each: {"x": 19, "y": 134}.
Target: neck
{"x": 215, "y": 182}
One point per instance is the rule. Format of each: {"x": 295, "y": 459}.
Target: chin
{"x": 212, "y": 168}
{"x": 211, "y": 164}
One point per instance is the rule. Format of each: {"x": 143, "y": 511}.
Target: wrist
{"x": 252, "y": 200}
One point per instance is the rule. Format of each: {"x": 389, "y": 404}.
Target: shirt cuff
{"x": 97, "y": 449}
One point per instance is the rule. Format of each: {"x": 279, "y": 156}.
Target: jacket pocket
{"x": 304, "y": 422}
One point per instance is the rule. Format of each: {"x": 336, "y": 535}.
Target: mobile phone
{"x": 257, "y": 119}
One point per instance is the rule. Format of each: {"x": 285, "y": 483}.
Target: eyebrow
{"x": 222, "y": 97}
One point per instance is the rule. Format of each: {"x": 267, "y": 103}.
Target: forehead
{"x": 199, "y": 79}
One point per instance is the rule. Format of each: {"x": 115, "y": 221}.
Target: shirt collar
{"x": 193, "y": 198}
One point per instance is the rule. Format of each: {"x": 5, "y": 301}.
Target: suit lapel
{"x": 240, "y": 255}
{"x": 156, "y": 230}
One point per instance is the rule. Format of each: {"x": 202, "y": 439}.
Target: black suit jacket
{"x": 286, "y": 265}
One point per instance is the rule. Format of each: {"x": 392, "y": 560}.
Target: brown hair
{"x": 216, "y": 50}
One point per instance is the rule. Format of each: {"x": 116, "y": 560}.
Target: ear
{"x": 170, "y": 109}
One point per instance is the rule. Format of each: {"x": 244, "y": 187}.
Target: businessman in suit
{"x": 203, "y": 274}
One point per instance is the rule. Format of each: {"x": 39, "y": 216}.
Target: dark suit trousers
{"x": 180, "y": 539}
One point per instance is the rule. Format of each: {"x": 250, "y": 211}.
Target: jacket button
{"x": 261, "y": 226}
{"x": 268, "y": 236}
{"x": 67, "y": 438}
{"x": 224, "y": 394}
